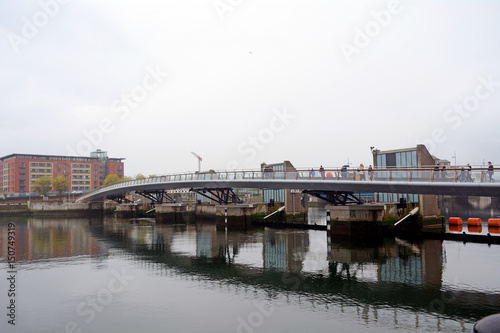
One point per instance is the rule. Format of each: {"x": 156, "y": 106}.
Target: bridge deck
{"x": 383, "y": 181}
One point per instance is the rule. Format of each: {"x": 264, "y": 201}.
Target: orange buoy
{"x": 455, "y": 220}
{"x": 329, "y": 174}
{"x": 493, "y": 222}
{"x": 475, "y": 228}
{"x": 494, "y": 230}
{"x": 455, "y": 227}
{"x": 474, "y": 221}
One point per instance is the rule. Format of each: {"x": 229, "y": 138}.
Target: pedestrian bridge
{"x": 414, "y": 181}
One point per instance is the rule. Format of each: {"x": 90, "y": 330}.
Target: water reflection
{"x": 397, "y": 285}
{"x": 38, "y": 239}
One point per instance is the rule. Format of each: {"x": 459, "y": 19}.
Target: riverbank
{"x": 55, "y": 209}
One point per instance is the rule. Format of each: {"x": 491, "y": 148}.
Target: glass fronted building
{"x": 276, "y": 170}
{"x": 289, "y": 198}
{"x": 407, "y": 158}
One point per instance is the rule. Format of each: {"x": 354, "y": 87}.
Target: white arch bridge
{"x": 330, "y": 182}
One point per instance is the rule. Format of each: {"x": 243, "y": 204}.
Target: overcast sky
{"x": 241, "y": 82}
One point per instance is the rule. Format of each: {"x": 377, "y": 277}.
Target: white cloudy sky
{"x": 242, "y": 82}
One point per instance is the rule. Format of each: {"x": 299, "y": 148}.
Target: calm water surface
{"x": 80, "y": 275}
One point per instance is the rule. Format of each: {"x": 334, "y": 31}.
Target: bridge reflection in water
{"x": 395, "y": 282}
{"x": 396, "y": 285}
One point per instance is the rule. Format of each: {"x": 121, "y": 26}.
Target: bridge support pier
{"x": 358, "y": 224}
{"x": 126, "y": 210}
{"x": 234, "y": 216}
{"x": 174, "y": 213}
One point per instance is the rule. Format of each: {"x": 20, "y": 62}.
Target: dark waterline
{"x": 134, "y": 275}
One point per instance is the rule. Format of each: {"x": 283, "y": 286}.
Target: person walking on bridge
{"x": 463, "y": 175}
{"x": 469, "y": 173}
{"x": 491, "y": 171}
{"x": 362, "y": 172}
{"x": 436, "y": 171}
{"x": 443, "y": 172}
{"x": 322, "y": 171}
{"x": 343, "y": 171}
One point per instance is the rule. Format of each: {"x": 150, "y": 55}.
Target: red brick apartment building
{"x": 18, "y": 171}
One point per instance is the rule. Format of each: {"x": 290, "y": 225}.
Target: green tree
{"x": 154, "y": 175}
{"x": 139, "y": 176}
{"x": 111, "y": 179}
{"x": 42, "y": 185}
{"x": 127, "y": 178}
{"x": 60, "y": 184}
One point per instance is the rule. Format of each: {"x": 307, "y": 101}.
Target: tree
{"x": 139, "y": 176}
{"x": 42, "y": 185}
{"x": 127, "y": 178}
{"x": 60, "y": 184}
{"x": 111, "y": 179}
{"x": 154, "y": 175}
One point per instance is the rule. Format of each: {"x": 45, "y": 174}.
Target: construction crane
{"x": 199, "y": 160}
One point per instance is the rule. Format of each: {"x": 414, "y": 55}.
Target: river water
{"x": 112, "y": 275}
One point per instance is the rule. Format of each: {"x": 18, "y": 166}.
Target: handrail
{"x": 427, "y": 174}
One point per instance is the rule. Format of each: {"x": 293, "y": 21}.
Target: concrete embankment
{"x": 8, "y": 210}
{"x": 56, "y": 209}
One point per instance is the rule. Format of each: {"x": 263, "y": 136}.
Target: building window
{"x": 65, "y": 172}
{"x": 81, "y": 166}
{"x": 65, "y": 166}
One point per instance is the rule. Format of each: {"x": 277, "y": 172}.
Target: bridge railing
{"x": 390, "y": 174}
{"x": 477, "y": 175}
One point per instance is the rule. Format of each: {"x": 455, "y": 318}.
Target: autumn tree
{"x": 60, "y": 184}
{"x": 111, "y": 179}
{"x": 42, "y": 185}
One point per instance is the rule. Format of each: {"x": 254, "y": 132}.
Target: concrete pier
{"x": 175, "y": 213}
{"x": 205, "y": 213}
{"x": 360, "y": 223}
{"x": 235, "y": 216}
{"x": 126, "y": 210}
